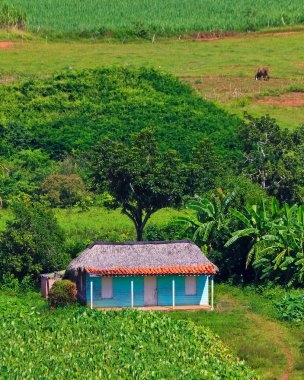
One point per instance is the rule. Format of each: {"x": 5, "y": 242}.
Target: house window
{"x": 190, "y": 286}
{"x": 107, "y": 287}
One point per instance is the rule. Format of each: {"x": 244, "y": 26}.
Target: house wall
{"x": 122, "y": 291}
{"x": 164, "y": 285}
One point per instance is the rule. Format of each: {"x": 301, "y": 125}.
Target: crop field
{"x": 143, "y": 17}
{"x": 37, "y": 343}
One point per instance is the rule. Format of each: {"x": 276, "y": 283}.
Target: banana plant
{"x": 258, "y": 223}
{"x": 208, "y": 217}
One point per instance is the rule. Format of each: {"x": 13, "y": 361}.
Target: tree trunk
{"x": 136, "y": 215}
{"x": 139, "y": 232}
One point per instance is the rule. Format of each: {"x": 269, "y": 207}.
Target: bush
{"x": 62, "y": 293}
{"x": 11, "y": 284}
{"x": 32, "y": 243}
{"x": 291, "y": 308}
{"x": 64, "y": 190}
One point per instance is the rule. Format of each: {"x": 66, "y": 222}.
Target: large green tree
{"x": 32, "y": 243}
{"x": 274, "y": 158}
{"x": 141, "y": 179}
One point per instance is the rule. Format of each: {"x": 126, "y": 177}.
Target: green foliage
{"x": 205, "y": 169}
{"x": 142, "y": 17}
{"x": 9, "y": 283}
{"x": 24, "y": 173}
{"x": 66, "y": 343}
{"x": 62, "y": 293}
{"x": 163, "y": 233}
{"x": 291, "y": 308}
{"x": 12, "y": 17}
{"x": 75, "y": 109}
{"x": 63, "y": 190}
{"x": 211, "y": 216}
{"x": 274, "y": 158}
{"x": 276, "y": 240}
{"x": 140, "y": 178}
{"x": 32, "y": 243}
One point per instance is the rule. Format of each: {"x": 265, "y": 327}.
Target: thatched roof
{"x": 143, "y": 258}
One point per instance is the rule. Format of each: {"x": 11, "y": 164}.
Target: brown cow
{"x": 263, "y": 72}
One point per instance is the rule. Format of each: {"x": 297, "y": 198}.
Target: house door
{"x": 150, "y": 291}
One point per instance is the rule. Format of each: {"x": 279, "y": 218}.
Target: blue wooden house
{"x": 139, "y": 274}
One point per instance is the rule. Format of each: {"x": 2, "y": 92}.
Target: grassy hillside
{"x": 220, "y": 70}
{"x": 73, "y": 110}
{"x": 142, "y": 17}
{"x": 37, "y": 343}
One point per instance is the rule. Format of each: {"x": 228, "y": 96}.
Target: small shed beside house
{"x": 48, "y": 280}
{"x": 142, "y": 274}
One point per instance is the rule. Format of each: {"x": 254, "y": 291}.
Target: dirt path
{"x": 277, "y": 338}
{"x": 228, "y": 303}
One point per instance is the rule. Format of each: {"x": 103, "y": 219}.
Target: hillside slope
{"x": 73, "y": 110}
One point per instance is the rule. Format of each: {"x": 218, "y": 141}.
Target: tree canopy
{"x": 141, "y": 179}
{"x": 32, "y": 243}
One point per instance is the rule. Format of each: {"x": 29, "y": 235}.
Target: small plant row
{"x": 66, "y": 343}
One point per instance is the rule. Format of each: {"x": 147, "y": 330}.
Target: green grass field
{"x": 220, "y": 70}
{"x": 162, "y": 17}
{"x": 246, "y": 321}
{"x": 98, "y": 224}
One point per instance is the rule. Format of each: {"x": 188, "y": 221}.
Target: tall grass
{"x": 144, "y": 17}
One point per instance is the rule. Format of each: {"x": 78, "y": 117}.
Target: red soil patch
{"x": 5, "y": 44}
{"x": 290, "y": 99}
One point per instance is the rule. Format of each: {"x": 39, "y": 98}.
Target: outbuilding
{"x": 138, "y": 274}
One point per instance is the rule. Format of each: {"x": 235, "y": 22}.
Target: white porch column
{"x": 91, "y": 294}
{"x": 212, "y": 292}
{"x": 173, "y": 293}
{"x": 132, "y": 294}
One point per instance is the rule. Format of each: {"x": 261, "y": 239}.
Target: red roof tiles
{"x": 194, "y": 270}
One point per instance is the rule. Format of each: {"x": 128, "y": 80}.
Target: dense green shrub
{"x": 9, "y": 283}
{"x": 291, "y": 307}
{"x": 167, "y": 232}
{"x": 63, "y": 293}
{"x": 23, "y": 174}
{"x": 32, "y": 243}
{"x": 63, "y": 190}
{"x": 73, "y": 110}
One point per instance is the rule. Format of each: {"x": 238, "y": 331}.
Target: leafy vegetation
{"x": 266, "y": 235}
{"x": 143, "y": 18}
{"x": 74, "y": 109}
{"x": 291, "y": 308}
{"x": 63, "y": 293}
{"x": 210, "y": 217}
{"x": 249, "y": 314}
{"x": 274, "y": 158}
{"x": 140, "y": 178}
{"x": 67, "y": 342}
{"x": 63, "y": 190}
{"x": 276, "y": 240}
{"x": 32, "y": 243}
